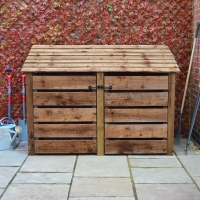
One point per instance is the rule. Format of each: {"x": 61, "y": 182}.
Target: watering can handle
{"x": 10, "y": 119}
{"x": 14, "y": 137}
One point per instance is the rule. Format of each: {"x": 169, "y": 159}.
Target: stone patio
{"x": 91, "y": 177}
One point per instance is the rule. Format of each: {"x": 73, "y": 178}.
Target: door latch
{"x": 109, "y": 87}
{"x": 99, "y": 87}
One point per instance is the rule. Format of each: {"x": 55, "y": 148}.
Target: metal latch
{"x": 99, "y": 87}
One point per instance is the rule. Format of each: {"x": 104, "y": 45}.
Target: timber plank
{"x": 51, "y": 53}
{"x": 99, "y": 46}
{"x": 171, "y": 109}
{"x": 136, "y": 99}
{"x": 96, "y": 51}
{"x": 97, "y": 58}
{"x": 109, "y": 61}
{"x": 64, "y": 114}
{"x": 30, "y": 119}
{"x": 137, "y": 82}
{"x": 63, "y": 82}
{"x": 65, "y": 130}
{"x": 100, "y": 69}
{"x": 65, "y": 146}
{"x": 95, "y": 64}
{"x": 100, "y": 115}
{"x": 64, "y": 98}
{"x": 136, "y": 131}
{"x": 136, "y": 115}
{"x": 135, "y": 147}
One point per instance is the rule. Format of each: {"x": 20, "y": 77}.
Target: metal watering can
{"x": 8, "y": 133}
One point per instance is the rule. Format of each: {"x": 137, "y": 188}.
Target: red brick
{"x": 194, "y": 92}
{"x": 197, "y": 76}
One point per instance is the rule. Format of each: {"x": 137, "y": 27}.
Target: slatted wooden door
{"x": 64, "y": 113}
{"x": 136, "y": 114}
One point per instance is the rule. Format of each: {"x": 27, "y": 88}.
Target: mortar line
{"x": 187, "y": 171}
{"x": 15, "y": 173}
{"x": 72, "y": 177}
{"x": 132, "y": 180}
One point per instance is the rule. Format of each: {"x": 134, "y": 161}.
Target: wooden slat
{"x": 100, "y": 69}
{"x": 99, "y": 46}
{"x": 136, "y": 131}
{"x": 63, "y": 82}
{"x": 64, "y": 98}
{"x": 136, "y": 99}
{"x": 65, "y": 130}
{"x": 95, "y": 64}
{"x": 100, "y": 116}
{"x": 161, "y": 62}
{"x": 135, "y": 147}
{"x": 171, "y": 109}
{"x": 111, "y": 50}
{"x": 51, "y": 53}
{"x": 64, "y": 114}
{"x": 65, "y": 146}
{"x": 102, "y": 50}
{"x": 29, "y": 101}
{"x": 136, "y": 115}
{"x": 137, "y": 82}
{"x": 85, "y": 58}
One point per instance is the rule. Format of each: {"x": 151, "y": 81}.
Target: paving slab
{"x": 36, "y": 192}
{"x": 101, "y": 187}
{"x": 191, "y": 163}
{"x": 160, "y": 175}
{"x": 49, "y": 164}
{"x": 151, "y": 156}
{"x": 102, "y": 198}
{"x": 22, "y": 146}
{"x": 102, "y": 166}
{"x": 179, "y": 148}
{"x": 1, "y": 192}
{"x": 48, "y": 178}
{"x": 167, "y": 192}
{"x": 6, "y": 174}
{"x": 197, "y": 180}
{"x": 12, "y": 158}
{"x": 155, "y": 163}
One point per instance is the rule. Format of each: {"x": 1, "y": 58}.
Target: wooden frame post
{"x": 100, "y": 115}
{"x": 30, "y": 121}
{"x": 171, "y": 108}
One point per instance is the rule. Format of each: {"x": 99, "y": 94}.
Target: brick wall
{"x": 195, "y": 75}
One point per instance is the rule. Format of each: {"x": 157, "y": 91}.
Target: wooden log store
{"x": 100, "y": 99}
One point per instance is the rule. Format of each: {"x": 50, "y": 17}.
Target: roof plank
{"x": 100, "y": 58}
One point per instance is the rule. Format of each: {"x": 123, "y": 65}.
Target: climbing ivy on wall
{"x": 27, "y": 22}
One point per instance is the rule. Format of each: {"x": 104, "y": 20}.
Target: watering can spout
{"x": 13, "y": 138}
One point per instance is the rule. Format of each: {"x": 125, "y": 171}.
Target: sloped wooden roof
{"x": 97, "y": 58}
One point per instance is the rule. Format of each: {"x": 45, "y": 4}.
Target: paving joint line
{"x": 187, "y": 171}
{"x": 10, "y": 182}
{"x": 132, "y": 180}
{"x": 72, "y": 176}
